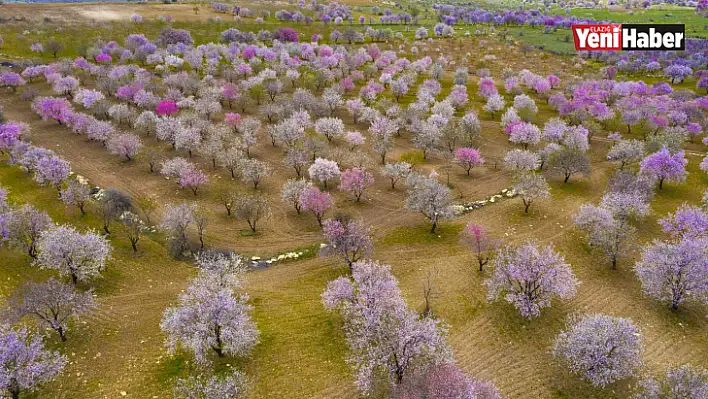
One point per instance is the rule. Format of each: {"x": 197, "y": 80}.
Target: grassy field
{"x": 118, "y": 351}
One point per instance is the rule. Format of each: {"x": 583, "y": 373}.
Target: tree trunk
{"x": 74, "y": 278}
{"x": 133, "y": 244}
{"x": 62, "y": 334}
{"x": 217, "y": 348}
{"x": 432, "y": 229}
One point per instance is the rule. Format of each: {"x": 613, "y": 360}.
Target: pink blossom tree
{"x": 477, "y": 239}
{"x": 126, "y": 145}
{"x": 192, "y": 179}
{"x": 468, "y": 158}
{"x": 166, "y": 108}
{"x": 355, "y": 181}
{"x": 58, "y": 109}
{"x": 354, "y": 139}
{"x": 315, "y": 201}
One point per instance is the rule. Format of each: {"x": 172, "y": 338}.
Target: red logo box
{"x": 597, "y": 37}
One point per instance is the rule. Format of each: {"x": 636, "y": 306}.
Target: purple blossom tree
{"x": 230, "y": 159}
{"x": 12, "y": 80}
{"x": 382, "y": 130}
{"x": 354, "y": 139}
{"x": 52, "y": 169}
{"x": 349, "y": 240}
{"x": 529, "y": 277}
{"x": 676, "y": 271}
{"x": 76, "y": 194}
{"x": 210, "y": 317}
{"x": 383, "y": 335}
{"x": 444, "y": 381}
{"x": 355, "y": 181}
{"x": 80, "y": 255}
{"x": 495, "y": 103}
{"x": 662, "y": 165}
{"x": 604, "y": 230}
{"x": 600, "y": 349}
{"x": 24, "y": 362}
{"x": 525, "y": 134}
{"x": 689, "y": 222}
{"x": 684, "y": 381}
{"x": 315, "y": 201}
{"x": 233, "y": 386}
{"x": 88, "y": 98}
{"x": 24, "y": 227}
{"x": 53, "y": 303}
{"x": 65, "y": 86}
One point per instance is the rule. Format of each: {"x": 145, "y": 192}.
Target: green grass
{"x": 415, "y": 158}
{"x": 446, "y": 233}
